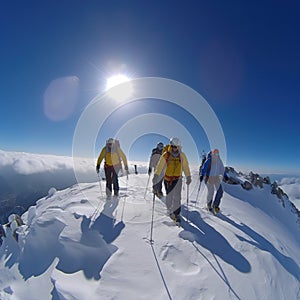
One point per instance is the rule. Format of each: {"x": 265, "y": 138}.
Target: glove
{"x": 201, "y": 178}
{"x": 226, "y": 178}
{"x": 149, "y": 171}
{"x": 188, "y": 180}
{"x": 97, "y": 169}
{"x": 155, "y": 180}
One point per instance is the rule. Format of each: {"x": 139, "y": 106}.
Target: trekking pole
{"x": 100, "y": 185}
{"x": 151, "y": 231}
{"x": 126, "y": 190}
{"x": 123, "y": 208}
{"x": 147, "y": 187}
{"x": 187, "y": 201}
{"x": 97, "y": 208}
{"x": 126, "y": 181}
{"x": 198, "y": 193}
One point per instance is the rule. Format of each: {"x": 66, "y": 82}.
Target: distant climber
{"x": 112, "y": 155}
{"x": 154, "y": 158}
{"x": 213, "y": 172}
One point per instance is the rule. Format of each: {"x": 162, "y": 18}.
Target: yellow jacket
{"x": 112, "y": 158}
{"x": 172, "y": 166}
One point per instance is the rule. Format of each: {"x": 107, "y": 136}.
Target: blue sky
{"x": 242, "y": 57}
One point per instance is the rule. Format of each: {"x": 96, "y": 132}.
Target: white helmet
{"x": 175, "y": 142}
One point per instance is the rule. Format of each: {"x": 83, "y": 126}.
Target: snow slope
{"x": 75, "y": 244}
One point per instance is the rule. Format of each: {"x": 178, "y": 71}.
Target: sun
{"x": 116, "y": 80}
{"x": 119, "y": 87}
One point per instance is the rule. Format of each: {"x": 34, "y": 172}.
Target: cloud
{"x": 291, "y": 186}
{"x": 290, "y": 180}
{"x": 5, "y": 158}
{"x": 28, "y": 163}
{"x": 26, "y": 177}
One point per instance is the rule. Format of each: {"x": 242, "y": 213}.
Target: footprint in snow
{"x": 178, "y": 260}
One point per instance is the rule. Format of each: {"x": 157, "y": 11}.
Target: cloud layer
{"x": 291, "y": 185}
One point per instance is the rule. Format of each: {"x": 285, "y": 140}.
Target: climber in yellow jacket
{"x": 170, "y": 167}
{"x": 112, "y": 155}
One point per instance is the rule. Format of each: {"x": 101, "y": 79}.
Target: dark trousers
{"x": 173, "y": 198}
{"x": 218, "y": 196}
{"x": 111, "y": 174}
{"x": 158, "y": 186}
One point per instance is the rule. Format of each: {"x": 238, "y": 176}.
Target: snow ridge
{"x": 76, "y": 244}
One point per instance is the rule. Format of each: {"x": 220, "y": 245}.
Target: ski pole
{"x": 151, "y": 231}
{"x": 147, "y": 187}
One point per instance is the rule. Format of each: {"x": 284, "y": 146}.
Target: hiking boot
{"x": 208, "y": 206}
{"x": 159, "y": 194}
{"x": 177, "y": 219}
{"x": 171, "y": 215}
{"x": 216, "y": 209}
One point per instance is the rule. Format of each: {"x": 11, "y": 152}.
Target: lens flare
{"x": 119, "y": 87}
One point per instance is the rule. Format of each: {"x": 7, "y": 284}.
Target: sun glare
{"x": 115, "y": 80}
{"x": 119, "y": 87}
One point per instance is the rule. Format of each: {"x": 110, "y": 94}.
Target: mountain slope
{"x": 77, "y": 245}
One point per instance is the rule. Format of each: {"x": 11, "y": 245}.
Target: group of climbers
{"x": 168, "y": 163}
{"x": 169, "y": 168}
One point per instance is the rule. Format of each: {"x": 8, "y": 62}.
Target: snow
{"x": 76, "y": 244}
{"x": 291, "y": 185}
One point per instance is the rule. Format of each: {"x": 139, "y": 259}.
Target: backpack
{"x": 203, "y": 159}
{"x": 117, "y": 143}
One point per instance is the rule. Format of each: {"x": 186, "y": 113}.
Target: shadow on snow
{"x": 209, "y": 238}
{"x": 88, "y": 251}
{"x": 263, "y": 244}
